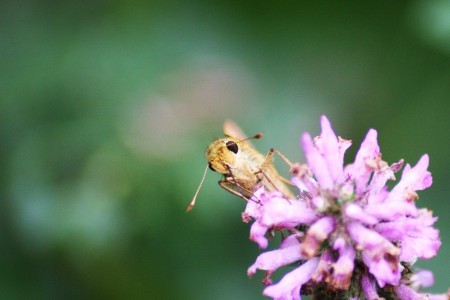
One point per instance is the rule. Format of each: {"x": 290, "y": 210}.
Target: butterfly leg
{"x": 268, "y": 160}
{"x": 237, "y": 190}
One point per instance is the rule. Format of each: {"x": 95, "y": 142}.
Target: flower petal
{"x": 253, "y": 207}
{"x": 315, "y": 235}
{"x": 258, "y": 234}
{"x": 316, "y": 162}
{"x": 369, "y": 288}
{"x": 385, "y": 270}
{"x": 382, "y": 173}
{"x": 378, "y": 253}
{"x": 358, "y": 214}
{"x": 284, "y": 213}
{"x": 413, "y": 179}
{"x": 422, "y": 279}
{"x": 304, "y": 180}
{"x": 360, "y": 171}
{"x": 328, "y": 145}
{"x": 292, "y": 240}
{"x": 343, "y": 268}
{"x": 418, "y": 237}
{"x": 323, "y": 270}
{"x": 404, "y": 292}
{"x": 391, "y": 210}
{"x": 289, "y": 286}
{"x": 275, "y": 211}
{"x": 272, "y": 260}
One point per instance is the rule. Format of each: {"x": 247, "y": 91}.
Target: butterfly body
{"x": 242, "y": 166}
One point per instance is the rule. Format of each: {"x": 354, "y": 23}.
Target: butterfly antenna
{"x": 255, "y": 137}
{"x": 191, "y": 205}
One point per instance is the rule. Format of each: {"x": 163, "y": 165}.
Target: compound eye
{"x": 232, "y": 146}
{"x": 212, "y": 169}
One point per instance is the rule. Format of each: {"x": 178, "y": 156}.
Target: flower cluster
{"x": 346, "y": 234}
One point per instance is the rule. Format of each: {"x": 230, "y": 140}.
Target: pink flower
{"x": 345, "y": 228}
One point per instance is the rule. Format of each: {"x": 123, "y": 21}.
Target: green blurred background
{"x": 107, "y": 108}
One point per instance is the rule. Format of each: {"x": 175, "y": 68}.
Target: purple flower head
{"x": 347, "y": 233}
